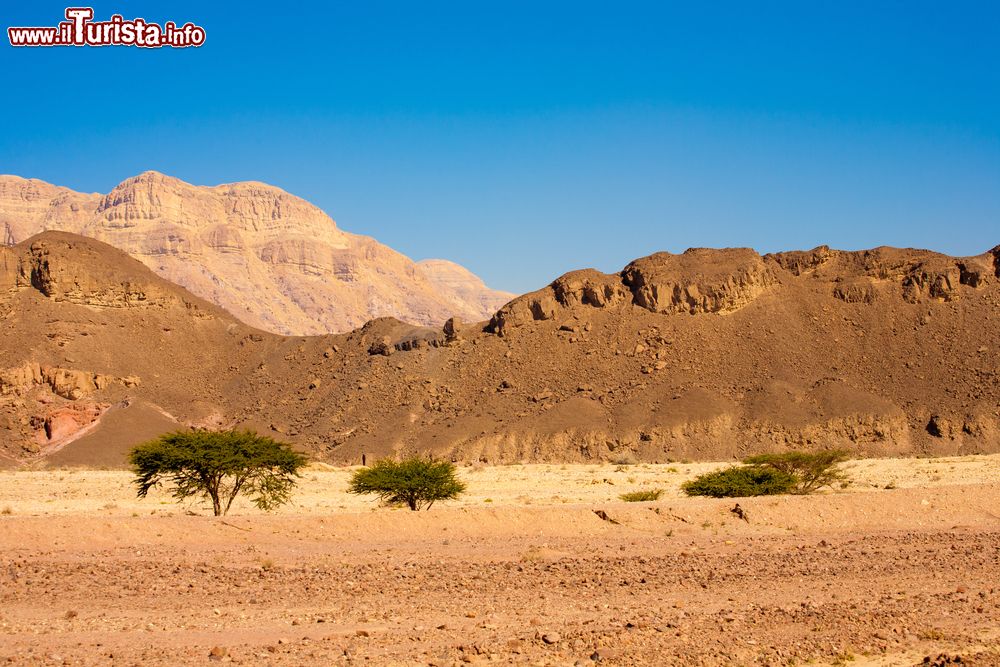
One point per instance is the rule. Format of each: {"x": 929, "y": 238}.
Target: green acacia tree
{"x": 812, "y": 470}
{"x": 415, "y": 482}
{"x": 219, "y": 465}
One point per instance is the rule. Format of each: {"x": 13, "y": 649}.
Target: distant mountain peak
{"x": 271, "y": 258}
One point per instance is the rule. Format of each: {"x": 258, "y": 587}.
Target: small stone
{"x": 551, "y": 637}
{"x": 543, "y": 395}
{"x": 602, "y": 654}
{"x": 217, "y": 653}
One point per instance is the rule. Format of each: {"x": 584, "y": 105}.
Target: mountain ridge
{"x": 709, "y": 354}
{"x": 247, "y": 243}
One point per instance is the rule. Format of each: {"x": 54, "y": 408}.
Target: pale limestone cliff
{"x": 462, "y": 287}
{"x": 272, "y": 259}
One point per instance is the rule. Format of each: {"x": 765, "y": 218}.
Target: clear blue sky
{"x": 525, "y": 139}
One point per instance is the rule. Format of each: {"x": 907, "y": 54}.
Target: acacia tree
{"x": 812, "y": 470}
{"x": 415, "y": 482}
{"x": 219, "y": 465}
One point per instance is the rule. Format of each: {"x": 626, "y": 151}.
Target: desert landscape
{"x": 898, "y": 568}
{"x": 556, "y": 334}
{"x": 565, "y": 399}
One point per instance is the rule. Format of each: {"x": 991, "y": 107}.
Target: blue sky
{"x": 526, "y": 139}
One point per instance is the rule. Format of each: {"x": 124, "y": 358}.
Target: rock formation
{"x": 705, "y": 355}
{"x": 272, "y": 259}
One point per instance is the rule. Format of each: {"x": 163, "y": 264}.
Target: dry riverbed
{"x": 537, "y": 564}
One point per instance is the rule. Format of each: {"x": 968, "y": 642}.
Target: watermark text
{"x": 80, "y": 29}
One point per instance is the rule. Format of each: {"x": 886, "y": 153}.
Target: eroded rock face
{"x": 586, "y": 287}
{"x": 28, "y": 206}
{"x": 932, "y": 280}
{"x": 698, "y": 281}
{"x": 49, "y": 406}
{"x": 590, "y": 288}
{"x": 61, "y": 268}
{"x": 68, "y": 421}
{"x": 798, "y": 262}
{"x": 9, "y": 268}
{"x": 71, "y": 384}
{"x": 243, "y": 244}
{"x": 918, "y": 275}
{"x": 701, "y": 280}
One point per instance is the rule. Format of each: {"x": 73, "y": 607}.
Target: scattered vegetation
{"x": 740, "y": 482}
{"x": 219, "y": 465}
{"x": 415, "y": 482}
{"x": 812, "y": 470}
{"x": 642, "y": 496}
{"x": 771, "y": 474}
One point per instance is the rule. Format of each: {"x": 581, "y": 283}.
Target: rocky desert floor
{"x": 537, "y": 564}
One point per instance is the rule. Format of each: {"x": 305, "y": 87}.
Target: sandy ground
{"x": 323, "y": 488}
{"x": 523, "y": 570}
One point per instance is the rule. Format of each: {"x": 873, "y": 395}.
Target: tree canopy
{"x": 219, "y": 465}
{"x": 415, "y": 482}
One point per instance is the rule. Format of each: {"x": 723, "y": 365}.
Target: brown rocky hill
{"x": 274, "y": 260}
{"x": 704, "y": 355}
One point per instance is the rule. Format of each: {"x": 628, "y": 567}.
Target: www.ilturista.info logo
{"x": 79, "y": 29}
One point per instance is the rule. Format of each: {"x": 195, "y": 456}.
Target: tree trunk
{"x": 213, "y": 493}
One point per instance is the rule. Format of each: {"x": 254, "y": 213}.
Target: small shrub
{"x": 812, "y": 470}
{"x": 642, "y": 496}
{"x": 415, "y": 482}
{"x": 623, "y": 460}
{"x": 741, "y": 482}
